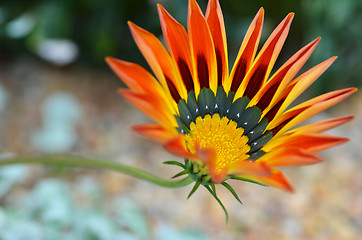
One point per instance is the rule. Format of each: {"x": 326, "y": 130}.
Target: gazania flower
{"x": 228, "y": 125}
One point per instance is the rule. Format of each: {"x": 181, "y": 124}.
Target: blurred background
{"x": 58, "y": 95}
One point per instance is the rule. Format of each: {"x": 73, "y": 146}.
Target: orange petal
{"x": 289, "y": 156}
{"x": 208, "y": 157}
{"x": 177, "y": 147}
{"x": 249, "y": 167}
{"x": 310, "y": 108}
{"x": 155, "y": 131}
{"x": 265, "y": 60}
{"x": 322, "y": 126}
{"x": 295, "y": 88}
{"x": 158, "y": 59}
{"x": 178, "y": 44}
{"x": 246, "y": 53}
{"x": 276, "y": 179}
{"x": 135, "y": 77}
{"x": 313, "y": 142}
{"x": 202, "y": 49}
{"x": 271, "y": 92}
{"x": 243, "y": 167}
{"x": 215, "y": 20}
{"x": 149, "y": 106}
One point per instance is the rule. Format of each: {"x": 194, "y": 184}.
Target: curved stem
{"x": 75, "y": 161}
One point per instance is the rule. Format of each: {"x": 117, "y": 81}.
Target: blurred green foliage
{"x": 99, "y": 29}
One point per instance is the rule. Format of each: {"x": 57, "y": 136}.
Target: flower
{"x": 225, "y": 125}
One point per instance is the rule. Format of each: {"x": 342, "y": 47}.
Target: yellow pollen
{"x": 220, "y": 135}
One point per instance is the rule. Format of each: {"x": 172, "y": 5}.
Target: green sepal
{"x": 212, "y": 185}
{"x": 175, "y": 163}
{"x": 226, "y": 185}
{"x": 206, "y": 180}
{"x": 248, "y": 180}
{"x": 193, "y": 190}
{"x": 195, "y": 168}
{"x": 219, "y": 201}
{"x": 180, "y": 174}
{"x": 188, "y": 164}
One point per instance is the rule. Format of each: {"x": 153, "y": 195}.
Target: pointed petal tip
{"x": 161, "y": 9}
{"x": 194, "y": 6}
{"x": 134, "y": 28}
{"x": 260, "y": 13}
{"x": 130, "y": 23}
{"x": 108, "y": 59}
{"x": 290, "y": 189}
{"x": 352, "y": 90}
{"x": 123, "y": 91}
{"x": 288, "y": 19}
{"x": 316, "y": 41}
{"x": 282, "y": 182}
{"x": 285, "y": 185}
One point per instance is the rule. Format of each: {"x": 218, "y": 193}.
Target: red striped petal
{"x": 289, "y": 156}
{"x": 202, "y": 49}
{"x": 246, "y": 53}
{"x": 158, "y": 59}
{"x": 178, "y": 44}
{"x": 271, "y": 92}
{"x": 295, "y": 88}
{"x": 216, "y": 24}
{"x": 322, "y": 126}
{"x": 313, "y": 142}
{"x": 310, "y": 108}
{"x": 265, "y": 60}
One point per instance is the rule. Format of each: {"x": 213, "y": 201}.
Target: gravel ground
{"x": 326, "y": 204}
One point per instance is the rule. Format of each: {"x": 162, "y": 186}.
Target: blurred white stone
{"x": 20, "y": 26}
{"x": 60, "y": 114}
{"x": 57, "y": 51}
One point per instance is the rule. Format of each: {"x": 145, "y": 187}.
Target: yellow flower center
{"x": 220, "y": 135}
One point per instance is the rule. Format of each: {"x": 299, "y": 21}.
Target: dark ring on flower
{"x": 248, "y": 118}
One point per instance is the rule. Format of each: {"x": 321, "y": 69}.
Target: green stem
{"x": 75, "y": 161}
